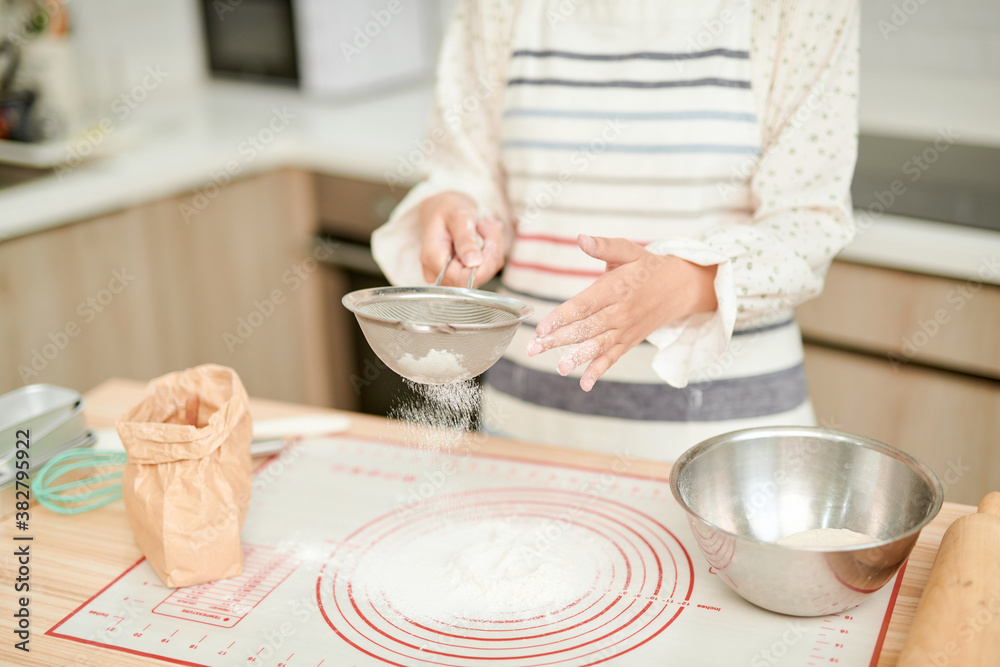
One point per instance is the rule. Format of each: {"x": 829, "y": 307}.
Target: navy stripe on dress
{"x": 672, "y": 83}
{"x": 696, "y": 114}
{"x": 717, "y": 400}
{"x": 632, "y": 148}
{"x": 638, "y": 55}
{"x": 623, "y": 179}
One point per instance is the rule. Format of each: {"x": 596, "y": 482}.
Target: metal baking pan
{"x": 39, "y": 408}
{"x": 8, "y": 475}
{"x": 53, "y": 416}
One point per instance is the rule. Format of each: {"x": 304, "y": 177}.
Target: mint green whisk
{"x": 82, "y": 495}
{"x": 100, "y": 483}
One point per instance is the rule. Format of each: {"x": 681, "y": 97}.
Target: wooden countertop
{"x": 73, "y": 557}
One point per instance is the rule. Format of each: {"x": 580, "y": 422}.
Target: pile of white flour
{"x": 486, "y": 570}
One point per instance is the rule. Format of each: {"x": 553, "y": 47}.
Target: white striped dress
{"x": 641, "y": 120}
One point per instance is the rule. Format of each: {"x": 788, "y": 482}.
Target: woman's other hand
{"x": 451, "y": 226}
{"x": 638, "y": 293}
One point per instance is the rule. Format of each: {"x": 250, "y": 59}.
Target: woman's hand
{"x": 451, "y": 226}
{"x": 638, "y": 293}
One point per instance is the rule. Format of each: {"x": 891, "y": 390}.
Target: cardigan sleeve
{"x": 462, "y": 149}
{"x": 804, "y": 58}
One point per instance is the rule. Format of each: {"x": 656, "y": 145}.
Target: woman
{"x": 664, "y": 182}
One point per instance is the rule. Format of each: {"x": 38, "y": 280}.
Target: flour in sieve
{"x": 486, "y": 570}
{"x": 432, "y": 368}
{"x": 826, "y": 538}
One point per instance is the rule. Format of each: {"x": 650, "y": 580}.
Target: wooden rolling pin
{"x": 958, "y": 621}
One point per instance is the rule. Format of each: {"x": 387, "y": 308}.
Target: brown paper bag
{"x": 187, "y": 488}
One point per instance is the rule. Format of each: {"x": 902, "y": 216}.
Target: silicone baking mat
{"x": 326, "y": 508}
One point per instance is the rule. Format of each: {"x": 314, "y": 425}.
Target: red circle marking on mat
{"x": 627, "y": 582}
{"x": 357, "y": 609}
{"x": 508, "y": 496}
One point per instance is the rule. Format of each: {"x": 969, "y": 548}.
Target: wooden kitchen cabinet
{"x": 912, "y": 360}
{"x": 141, "y": 292}
{"x": 926, "y": 319}
{"x": 949, "y": 422}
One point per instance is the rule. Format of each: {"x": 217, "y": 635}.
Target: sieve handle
{"x": 437, "y": 283}
{"x": 472, "y": 276}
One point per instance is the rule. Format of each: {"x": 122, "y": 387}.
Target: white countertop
{"x": 924, "y": 246}
{"x": 184, "y": 141}
{"x": 916, "y": 105}
{"x": 178, "y": 145}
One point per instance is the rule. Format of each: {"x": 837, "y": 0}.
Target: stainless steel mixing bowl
{"x": 744, "y": 490}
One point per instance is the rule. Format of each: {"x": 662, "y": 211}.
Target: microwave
{"x": 325, "y": 47}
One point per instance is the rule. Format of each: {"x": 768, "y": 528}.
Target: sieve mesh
{"x": 437, "y": 335}
{"x": 436, "y": 311}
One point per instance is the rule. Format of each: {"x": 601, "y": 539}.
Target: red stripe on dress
{"x": 546, "y": 238}
{"x": 551, "y": 269}
{"x": 562, "y": 240}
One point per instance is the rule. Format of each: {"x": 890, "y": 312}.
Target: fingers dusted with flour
{"x": 638, "y": 293}
{"x": 452, "y": 226}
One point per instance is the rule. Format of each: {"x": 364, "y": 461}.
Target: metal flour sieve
{"x": 437, "y": 335}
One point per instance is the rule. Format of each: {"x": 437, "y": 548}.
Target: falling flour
{"x": 432, "y": 368}
{"x": 490, "y": 569}
{"x": 438, "y": 416}
{"x": 826, "y": 538}
{"x": 477, "y": 568}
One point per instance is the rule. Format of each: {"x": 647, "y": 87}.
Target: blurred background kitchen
{"x": 193, "y": 181}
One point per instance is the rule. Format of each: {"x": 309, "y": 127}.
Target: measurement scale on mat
{"x": 650, "y": 594}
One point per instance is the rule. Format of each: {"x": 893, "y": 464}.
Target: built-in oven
{"x": 349, "y": 210}
{"x": 938, "y": 179}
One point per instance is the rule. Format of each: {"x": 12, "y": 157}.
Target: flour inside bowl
{"x": 826, "y": 538}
